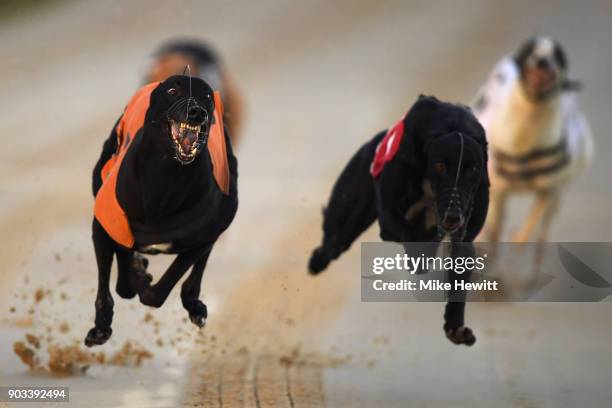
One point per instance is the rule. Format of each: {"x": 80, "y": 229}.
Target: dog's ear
{"x": 416, "y": 122}
{"x": 482, "y": 140}
{"x": 211, "y": 102}
{"x": 560, "y": 56}
{"x": 466, "y": 107}
{"x": 524, "y": 50}
{"x": 479, "y": 135}
{"x": 428, "y": 97}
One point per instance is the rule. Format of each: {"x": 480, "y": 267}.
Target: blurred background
{"x": 317, "y": 79}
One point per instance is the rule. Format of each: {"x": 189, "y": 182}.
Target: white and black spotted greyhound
{"x": 539, "y": 139}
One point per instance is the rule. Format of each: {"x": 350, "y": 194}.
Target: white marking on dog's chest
{"x": 161, "y": 247}
{"x": 522, "y": 126}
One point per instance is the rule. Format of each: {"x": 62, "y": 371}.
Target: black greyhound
{"x": 432, "y": 183}
{"x": 170, "y": 173}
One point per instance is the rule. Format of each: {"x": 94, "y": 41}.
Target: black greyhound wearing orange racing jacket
{"x": 423, "y": 179}
{"x": 165, "y": 183}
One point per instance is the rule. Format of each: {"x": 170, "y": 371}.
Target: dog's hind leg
{"x": 350, "y": 211}
{"x": 454, "y": 312}
{"x": 339, "y": 237}
{"x": 190, "y": 292}
{"x": 155, "y": 295}
{"x": 104, "y": 247}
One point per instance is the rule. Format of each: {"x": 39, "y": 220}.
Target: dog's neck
{"x": 525, "y": 124}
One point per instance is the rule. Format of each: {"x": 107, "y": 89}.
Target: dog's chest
{"x": 521, "y": 126}
{"x": 426, "y": 204}
{"x": 153, "y": 249}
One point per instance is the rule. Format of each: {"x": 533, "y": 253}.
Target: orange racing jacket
{"x": 107, "y": 209}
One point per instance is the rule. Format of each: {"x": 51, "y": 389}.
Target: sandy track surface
{"x": 318, "y": 78}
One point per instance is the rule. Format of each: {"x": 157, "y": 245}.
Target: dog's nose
{"x": 451, "y": 221}
{"x": 196, "y": 114}
{"x": 542, "y": 63}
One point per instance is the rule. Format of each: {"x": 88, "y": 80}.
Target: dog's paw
{"x": 318, "y": 261}
{"x": 98, "y": 336}
{"x": 198, "y": 313}
{"x": 461, "y": 335}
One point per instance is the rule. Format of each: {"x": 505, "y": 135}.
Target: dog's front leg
{"x": 554, "y": 199}
{"x": 190, "y": 292}
{"x": 497, "y": 210}
{"x": 544, "y": 207}
{"x": 104, "y": 248}
{"x": 155, "y": 295}
{"x": 455, "y": 308}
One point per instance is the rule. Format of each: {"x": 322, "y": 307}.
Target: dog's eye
{"x": 471, "y": 168}
{"x": 171, "y": 91}
{"x": 440, "y": 168}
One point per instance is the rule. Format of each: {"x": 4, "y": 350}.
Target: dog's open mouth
{"x": 451, "y": 226}
{"x": 185, "y": 137}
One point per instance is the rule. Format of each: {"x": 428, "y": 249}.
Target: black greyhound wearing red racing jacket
{"x": 424, "y": 179}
